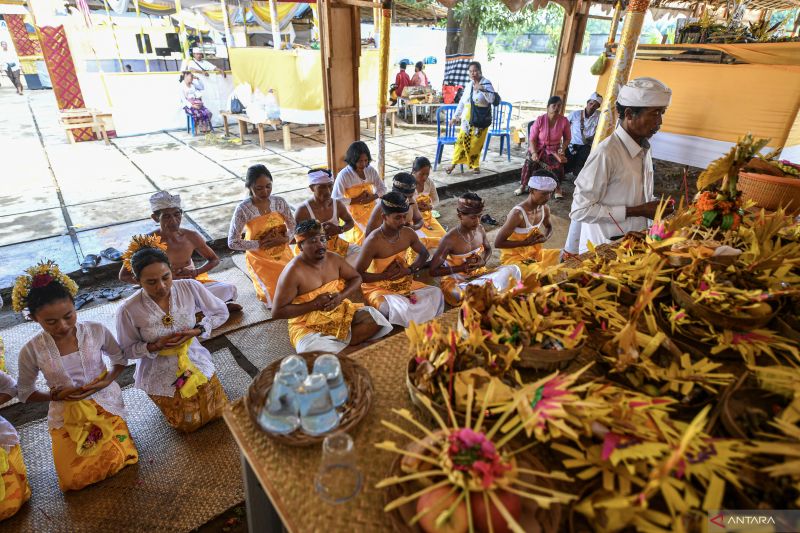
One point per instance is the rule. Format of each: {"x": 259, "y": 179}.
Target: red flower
{"x": 41, "y": 280}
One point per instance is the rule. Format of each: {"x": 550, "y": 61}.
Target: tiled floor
{"x": 104, "y": 189}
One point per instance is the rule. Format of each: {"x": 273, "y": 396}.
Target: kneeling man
{"x": 312, "y": 293}
{"x": 463, "y": 253}
{"x": 389, "y": 281}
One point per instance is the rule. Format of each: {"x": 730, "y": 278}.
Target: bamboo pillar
{"x": 114, "y": 35}
{"x": 612, "y": 35}
{"x": 141, "y": 35}
{"x": 181, "y": 30}
{"x": 276, "y": 27}
{"x": 621, "y": 69}
{"x": 226, "y": 22}
{"x": 383, "y": 85}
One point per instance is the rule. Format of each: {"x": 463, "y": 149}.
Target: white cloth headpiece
{"x": 542, "y": 183}
{"x": 318, "y": 176}
{"x": 197, "y": 50}
{"x": 597, "y": 98}
{"x": 645, "y": 92}
{"x": 164, "y": 200}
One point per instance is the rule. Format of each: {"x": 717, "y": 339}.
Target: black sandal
{"x": 83, "y": 299}
{"x": 112, "y": 254}
{"x": 487, "y": 219}
{"x": 89, "y": 262}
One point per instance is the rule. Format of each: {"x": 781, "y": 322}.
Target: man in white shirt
{"x": 614, "y": 191}
{"x": 10, "y": 62}
{"x": 582, "y": 123}
{"x": 197, "y": 65}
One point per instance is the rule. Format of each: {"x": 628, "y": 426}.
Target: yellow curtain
{"x": 286, "y": 12}
{"x": 723, "y": 102}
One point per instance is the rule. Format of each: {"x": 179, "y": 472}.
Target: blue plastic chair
{"x": 191, "y": 127}
{"x": 501, "y": 127}
{"x": 445, "y": 132}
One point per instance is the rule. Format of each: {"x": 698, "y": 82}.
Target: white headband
{"x": 645, "y": 92}
{"x": 316, "y": 177}
{"x": 542, "y": 183}
{"x": 164, "y": 200}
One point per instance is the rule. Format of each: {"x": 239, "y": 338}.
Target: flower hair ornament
{"x": 139, "y": 242}
{"x": 41, "y": 275}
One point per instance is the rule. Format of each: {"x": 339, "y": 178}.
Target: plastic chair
{"x": 445, "y": 132}
{"x": 191, "y": 127}
{"x": 501, "y": 127}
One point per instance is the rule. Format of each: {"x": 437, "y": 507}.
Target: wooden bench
{"x": 82, "y": 118}
{"x": 391, "y": 113}
{"x": 244, "y": 120}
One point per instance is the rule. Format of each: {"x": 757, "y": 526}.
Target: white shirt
{"x": 8, "y": 435}
{"x": 617, "y": 175}
{"x": 40, "y": 354}
{"x": 190, "y": 92}
{"x": 246, "y": 211}
{"x": 8, "y": 57}
{"x": 193, "y": 65}
{"x": 429, "y": 188}
{"x": 348, "y": 177}
{"x": 139, "y": 321}
{"x": 480, "y": 99}
{"x": 589, "y": 125}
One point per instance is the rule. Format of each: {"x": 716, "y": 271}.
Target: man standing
{"x": 401, "y": 81}
{"x": 10, "y": 62}
{"x": 312, "y": 293}
{"x": 181, "y": 244}
{"x": 582, "y": 123}
{"x": 389, "y": 283}
{"x": 614, "y": 191}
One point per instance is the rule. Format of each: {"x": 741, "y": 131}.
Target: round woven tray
{"x": 359, "y": 384}
{"x": 740, "y": 323}
{"x": 741, "y": 397}
{"x": 694, "y": 346}
{"x": 549, "y": 360}
{"x": 532, "y": 518}
{"x": 770, "y": 192}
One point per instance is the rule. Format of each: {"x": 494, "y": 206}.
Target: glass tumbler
{"x": 317, "y": 414}
{"x": 329, "y": 366}
{"x": 296, "y": 365}
{"x": 338, "y": 478}
{"x": 281, "y": 412}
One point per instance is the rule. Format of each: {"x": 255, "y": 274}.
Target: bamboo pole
{"x": 612, "y": 35}
{"x": 114, "y": 36}
{"x": 621, "y": 69}
{"x": 141, "y": 35}
{"x": 226, "y": 22}
{"x": 383, "y": 84}
{"x": 276, "y": 27}
{"x": 181, "y": 30}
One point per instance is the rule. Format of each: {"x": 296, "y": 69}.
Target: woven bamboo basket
{"x": 548, "y": 360}
{"x": 532, "y": 517}
{"x": 359, "y": 384}
{"x": 740, "y": 401}
{"x": 693, "y": 346}
{"x": 770, "y": 192}
{"x": 741, "y": 323}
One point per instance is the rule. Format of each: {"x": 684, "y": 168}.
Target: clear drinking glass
{"x": 281, "y": 412}
{"x": 296, "y": 365}
{"x": 329, "y": 366}
{"x": 317, "y": 414}
{"x": 338, "y": 478}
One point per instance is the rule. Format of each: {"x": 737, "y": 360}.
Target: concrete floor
{"x": 62, "y": 201}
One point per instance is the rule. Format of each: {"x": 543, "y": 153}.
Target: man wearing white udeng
{"x": 614, "y": 191}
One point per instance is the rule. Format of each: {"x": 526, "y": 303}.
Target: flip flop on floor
{"x": 488, "y": 219}
{"x": 111, "y": 294}
{"x": 112, "y": 254}
{"x": 83, "y": 299}
{"x": 89, "y": 262}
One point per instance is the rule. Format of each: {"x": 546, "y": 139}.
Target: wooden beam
{"x": 340, "y": 46}
{"x": 572, "y": 31}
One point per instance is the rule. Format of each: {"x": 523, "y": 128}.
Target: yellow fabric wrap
{"x": 265, "y": 266}
{"x": 196, "y": 378}
{"x": 467, "y": 150}
{"x": 431, "y": 228}
{"x": 723, "y": 102}
{"x": 190, "y": 414}
{"x": 335, "y": 323}
{"x": 359, "y": 212}
{"x": 76, "y": 471}
{"x": 14, "y": 488}
{"x": 375, "y": 291}
{"x": 449, "y": 284}
{"x": 80, "y": 417}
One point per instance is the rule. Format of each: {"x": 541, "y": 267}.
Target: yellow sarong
{"x": 192, "y": 378}
{"x": 449, "y": 284}
{"x": 190, "y": 414}
{"x": 374, "y": 292}
{"x": 469, "y": 144}
{"x": 265, "y": 266}
{"x": 529, "y": 259}
{"x": 335, "y": 323}
{"x": 359, "y": 212}
{"x": 14, "y": 489}
{"x": 431, "y": 228}
{"x": 108, "y": 456}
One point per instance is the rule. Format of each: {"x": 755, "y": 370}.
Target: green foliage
{"x": 493, "y": 15}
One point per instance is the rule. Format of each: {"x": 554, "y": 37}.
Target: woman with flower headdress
{"x": 89, "y": 435}
{"x": 262, "y": 227}
{"x": 14, "y": 488}
{"x": 157, "y": 327}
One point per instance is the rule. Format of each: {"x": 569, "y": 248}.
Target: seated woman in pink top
{"x": 549, "y": 137}
{"x": 420, "y": 79}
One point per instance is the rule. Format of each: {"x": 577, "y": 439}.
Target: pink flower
{"x": 658, "y": 232}
{"x": 41, "y": 280}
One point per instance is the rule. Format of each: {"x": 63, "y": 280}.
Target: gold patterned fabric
{"x": 335, "y": 323}
{"x": 374, "y": 292}
{"x": 190, "y": 414}
{"x": 15, "y": 488}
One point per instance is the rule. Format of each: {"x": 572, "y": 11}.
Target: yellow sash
{"x": 359, "y": 212}
{"x": 3, "y": 470}
{"x": 334, "y": 323}
{"x": 195, "y": 378}
{"x": 81, "y": 420}
{"x": 399, "y": 286}
{"x": 524, "y": 254}
{"x": 265, "y": 266}
{"x": 14, "y": 488}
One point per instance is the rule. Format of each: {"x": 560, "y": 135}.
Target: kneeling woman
{"x": 14, "y": 488}
{"x": 157, "y": 327}
{"x": 90, "y": 439}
